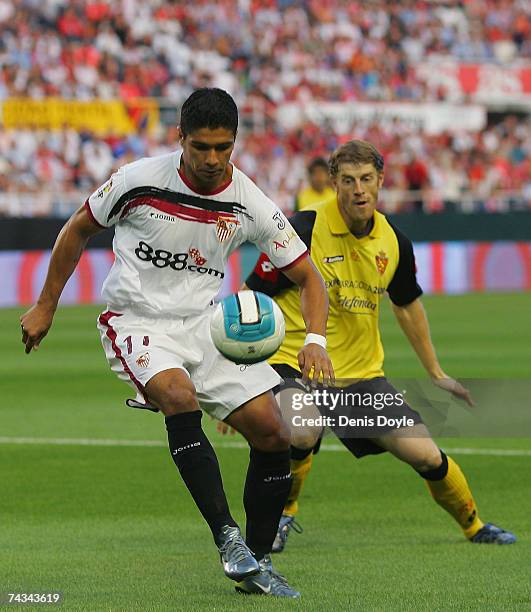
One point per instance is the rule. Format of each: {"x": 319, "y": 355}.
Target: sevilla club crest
{"x": 381, "y": 262}
{"x": 225, "y": 227}
{"x": 143, "y": 360}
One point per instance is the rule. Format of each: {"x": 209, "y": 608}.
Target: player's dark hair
{"x": 355, "y": 152}
{"x": 317, "y": 162}
{"x": 209, "y": 107}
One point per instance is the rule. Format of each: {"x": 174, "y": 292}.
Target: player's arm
{"x": 414, "y": 323}
{"x": 314, "y": 309}
{"x": 66, "y": 252}
{"x": 405, "y": 292}
{"x": 272, "y": 276}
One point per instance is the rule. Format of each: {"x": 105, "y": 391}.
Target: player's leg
{"x": 268, "y": 476}
{"x": 267, "y": 486}
{"x": 445, "y": 480}
{"x": 414, "y": 445}
{"x": 135, "y": 350}
{"x": 299, "y": 416}
{"x": 241, "y": 396}
{"x": 173, "y": 393}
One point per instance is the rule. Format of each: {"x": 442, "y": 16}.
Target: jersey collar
{"x": 338, "y": 226}
{"x": 187, "y": 182}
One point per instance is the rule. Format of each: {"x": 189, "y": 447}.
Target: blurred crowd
{"x": 278, "y": 49}
{"x": 487, "y": 171}
{"x": 265, "y": 52}
{"x": 44, "y": 173}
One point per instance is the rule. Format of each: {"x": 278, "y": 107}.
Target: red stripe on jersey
{"x": 188, "y": 213}
{"x": 295, "y": 261}
{"x": 112, "y": 335}
{"x": 91, "y": 215}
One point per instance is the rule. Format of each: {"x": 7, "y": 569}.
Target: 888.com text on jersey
{"x": 161, "y": 258}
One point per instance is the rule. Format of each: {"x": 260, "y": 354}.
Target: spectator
{"x": 319, "y": 188}
{"x": 417, "y": 180}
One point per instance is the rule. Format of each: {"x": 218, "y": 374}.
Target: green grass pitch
{"x": 113, "y": 528}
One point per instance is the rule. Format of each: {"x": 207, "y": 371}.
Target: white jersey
{"x": 171, "y": 243}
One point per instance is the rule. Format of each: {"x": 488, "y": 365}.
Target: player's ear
{"x": 380, "y": 179}
{"x": 180, "y": 135}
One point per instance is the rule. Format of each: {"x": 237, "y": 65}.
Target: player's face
{"x": 319, "y": 178}
{"x": 206, "y": 155}
{"x": 357, "y": 187}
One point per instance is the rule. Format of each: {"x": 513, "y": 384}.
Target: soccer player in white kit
{"x": 177, "y": 218}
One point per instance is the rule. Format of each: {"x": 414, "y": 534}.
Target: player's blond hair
{"x": 355, "y": 152}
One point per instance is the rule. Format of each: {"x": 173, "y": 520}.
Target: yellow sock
{"x": 300, "y": 468}
{"x": 453, "y": 494}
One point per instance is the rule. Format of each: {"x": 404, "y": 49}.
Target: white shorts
{"x": 139, "y": 347}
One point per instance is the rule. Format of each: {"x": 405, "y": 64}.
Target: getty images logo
{"x": 183, "y": 448}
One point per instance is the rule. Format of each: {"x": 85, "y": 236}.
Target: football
{"x": 247, "y": 327}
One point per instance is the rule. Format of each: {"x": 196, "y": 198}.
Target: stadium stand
{"x": 272, "y": 55}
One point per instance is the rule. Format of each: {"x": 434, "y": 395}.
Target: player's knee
{"x": 175, "y": 399}
{"x": 273, "y": 437}
{"x": 429, "y": 459}
{"x": 304, "y": 439}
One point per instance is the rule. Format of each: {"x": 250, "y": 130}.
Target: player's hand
{"x": 35, "y": 324}
{"x": 455, "y": 388}
{"x": 314, "y": 356}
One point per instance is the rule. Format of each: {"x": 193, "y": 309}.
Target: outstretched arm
{"x": 414, "y": 323}
{"x": 66, "y": 252}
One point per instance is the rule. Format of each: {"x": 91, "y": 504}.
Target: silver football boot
{"x": 267, "y": 582}
{"x": 286, "y": 524}
{"x": 236, "y": 557}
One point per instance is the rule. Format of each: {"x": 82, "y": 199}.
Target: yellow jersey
{"x": 308, "y": 197}
{"x": 357, "y": 272}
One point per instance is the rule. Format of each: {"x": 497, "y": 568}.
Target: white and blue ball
{"x": 247, "y": 327}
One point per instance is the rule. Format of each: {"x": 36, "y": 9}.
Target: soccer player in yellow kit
{"x": 360, "y": 256}
{"x": 318, "y": 189}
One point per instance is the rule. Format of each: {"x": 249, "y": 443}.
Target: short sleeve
{"x": 105, "y": 204}
{"x": 404, "y": 288}
{"x": 276, "y": 237}
{"x": 268, "y": 279}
